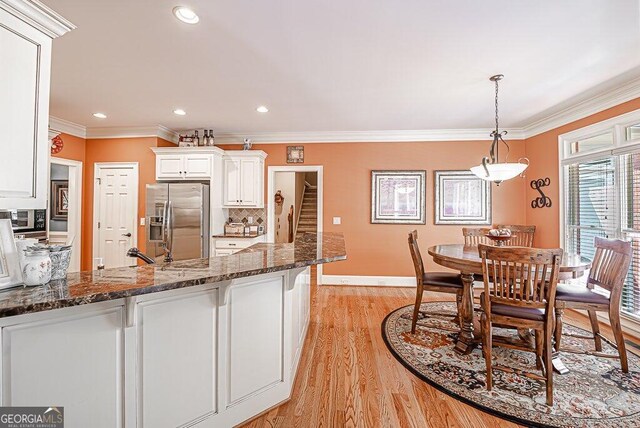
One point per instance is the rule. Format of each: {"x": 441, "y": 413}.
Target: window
{"x": 592, "y": 144}
{"x": 633, "y": 132}
{"x": 601, "y": 195}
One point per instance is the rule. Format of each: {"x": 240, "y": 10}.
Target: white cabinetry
{"x": 211, "y": 355}
{"x": 244, "y": 178}
{"x": 189, "y": 163}
{"x": 228, "y": 246}
{"x": 72, "y": 358}
{"x": 26, "y": 32}
{"x": 178, "y": 382}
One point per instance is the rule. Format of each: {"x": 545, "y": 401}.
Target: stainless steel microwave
{"x": 26, "y": 220}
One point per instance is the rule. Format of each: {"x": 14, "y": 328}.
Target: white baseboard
{"x": 378, "y": 281}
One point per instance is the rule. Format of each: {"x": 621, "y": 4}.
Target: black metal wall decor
{"x": 542, "y": 201}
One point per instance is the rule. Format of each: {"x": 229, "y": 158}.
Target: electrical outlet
{"x": 337, "y": 220}
{"x": 142, "y": 221}
{"x": 344, "y": 281}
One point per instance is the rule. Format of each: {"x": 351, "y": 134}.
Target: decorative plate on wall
{"x": 56, "y": 145}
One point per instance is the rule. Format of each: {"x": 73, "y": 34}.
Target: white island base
{"x": 211, "y": 355}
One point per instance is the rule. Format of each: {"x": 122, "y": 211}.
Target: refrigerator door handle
{"x": 164, "y": 223}
{"x": 170, "y": 227}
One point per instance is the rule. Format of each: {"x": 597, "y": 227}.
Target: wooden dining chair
{"x": 608, "y": 271}
{"x": 519, "y": 292}
{"x": 441, "y": 282}
{"x": 475, "y": 235}
{"x": 522, "y": 235}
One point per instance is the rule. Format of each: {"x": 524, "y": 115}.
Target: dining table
{"x": 466, "y": 259}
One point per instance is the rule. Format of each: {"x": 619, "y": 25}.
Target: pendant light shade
{"x": 491, "y": 169}
{"x": 499, "y": 172}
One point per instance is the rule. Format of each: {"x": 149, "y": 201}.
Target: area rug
{"x": 595, "y": 392}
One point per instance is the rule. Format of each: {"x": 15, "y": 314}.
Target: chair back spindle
{"x": 475, "y": 235}
{"x": 610, "y": 265}
{"x": 522, "y": 235}
{"x": 520, "y": 276}
{"x": 416, "y": 256}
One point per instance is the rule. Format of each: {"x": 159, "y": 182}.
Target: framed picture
{"x": 462, "y": 198}
{"x": 10, "y": 274}
{"x": 398, "y": 197}
{"x": 59, "y": 199}
{"x": 295, "y": 154}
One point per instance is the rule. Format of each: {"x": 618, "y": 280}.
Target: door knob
{"x": 128, "y": 235}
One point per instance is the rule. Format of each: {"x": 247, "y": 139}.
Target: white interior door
{"x": 74, "y": 221}
{"x": 117, "y": 209}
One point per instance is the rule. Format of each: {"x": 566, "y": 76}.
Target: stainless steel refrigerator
{"x": 177, "y": 219}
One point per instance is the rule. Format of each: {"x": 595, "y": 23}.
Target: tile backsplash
{"x": 259, "y": 215}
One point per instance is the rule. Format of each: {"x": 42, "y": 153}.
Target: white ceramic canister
{"x": 37, "y": 267}
{"x": 21, "y": 244}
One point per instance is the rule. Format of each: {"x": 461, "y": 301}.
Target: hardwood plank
{"x": 348, "y": 378}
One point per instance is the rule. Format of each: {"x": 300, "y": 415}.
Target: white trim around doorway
{"x": 96, "y": 203}
{"x": 271, "y": 191}
{"x": 74, "y": 221}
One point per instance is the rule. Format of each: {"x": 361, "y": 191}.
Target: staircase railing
{"x": 290, "y": 221}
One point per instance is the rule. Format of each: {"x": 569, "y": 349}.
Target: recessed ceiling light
{"x": 180, "y": 112}
{"x": 262, "y": 109}
{"x": 100, "y": 115}
{"x": 186, "y": 15}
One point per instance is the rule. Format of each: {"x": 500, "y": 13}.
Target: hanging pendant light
{"x": 491, "y": 169}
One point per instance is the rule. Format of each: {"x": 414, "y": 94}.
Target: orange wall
{"x": 542, "y": 151}
{"x": 381, "y": 249}
{"x": 73, "y": 148}
{"x": 117, "y": 150}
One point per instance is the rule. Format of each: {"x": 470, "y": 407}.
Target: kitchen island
{"x": 204, "y": 342}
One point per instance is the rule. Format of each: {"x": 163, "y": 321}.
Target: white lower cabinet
{"x": 255, "y": 348}
{"x": 228, "y": 246}
{"x": 212, "y": 355}
{"x": 72, "y": 358}
{"x": 176, "y": 338}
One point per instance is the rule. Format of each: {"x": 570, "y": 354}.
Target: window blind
{"x": 591, "y": 204}
{"x": 602, "y": 198}
{"x": 630, "y": 200}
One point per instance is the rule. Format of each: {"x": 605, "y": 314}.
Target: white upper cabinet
{"x": 244, "y": 178}
{"x": 185, "y": 163}
{"x": 26, "y": 32}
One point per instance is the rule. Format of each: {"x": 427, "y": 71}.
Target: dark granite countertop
{"x": 97, "y": 286}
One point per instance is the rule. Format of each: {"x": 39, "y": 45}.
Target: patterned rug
{"x": 595, "y": 392}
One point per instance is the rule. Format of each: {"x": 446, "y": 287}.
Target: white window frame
{"x": 617, "y": 125}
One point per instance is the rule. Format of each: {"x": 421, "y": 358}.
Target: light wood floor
{"x": 348, "y": 378}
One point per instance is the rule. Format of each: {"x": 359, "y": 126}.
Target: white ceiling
{"x": 336, "y": 65}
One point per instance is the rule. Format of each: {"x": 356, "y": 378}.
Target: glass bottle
{"x": 211, "y": 141}
{"x": 196, "y": 140}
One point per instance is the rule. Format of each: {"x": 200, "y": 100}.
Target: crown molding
{"x": 70, "y": 128}
{"x": 364, "y": 136}
{"x": 595, "y": 104}
{"x": 168, "y": 134}
{"x": 132, "y": 132}
{"x": 39, "y": 16}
